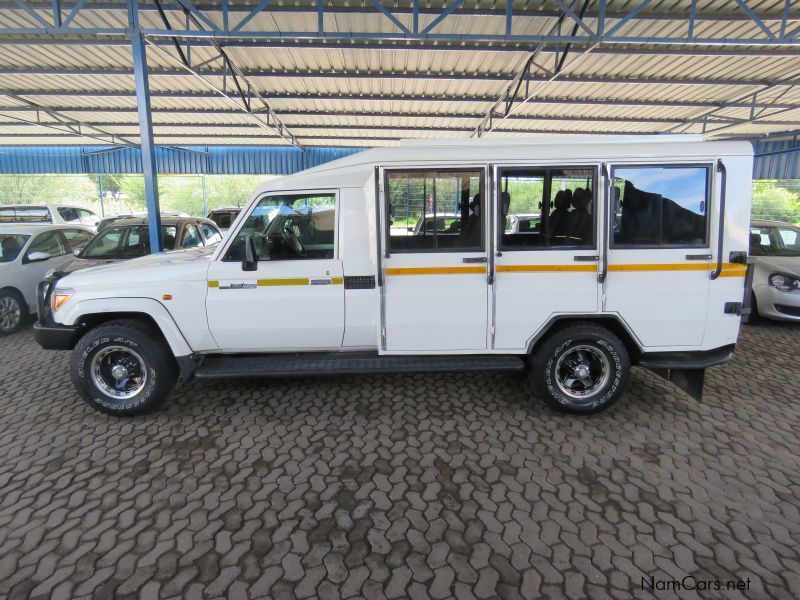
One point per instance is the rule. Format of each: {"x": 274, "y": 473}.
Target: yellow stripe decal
{"x": 285, "y": 281}
{"x": 546, "y": 268}
{"x": 661, "y": 267}
{"x": 213, "y": 284}
{"x": 434, "y": 270}
{"x": 337, "y": 280}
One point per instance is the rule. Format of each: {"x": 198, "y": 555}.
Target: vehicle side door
{"x": 659, "y": 253}
{"x": 291, "y": 296}
{"x": 434, "y": 259}
{"x": 546, "y": 258}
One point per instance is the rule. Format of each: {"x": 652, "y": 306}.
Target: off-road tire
{"x": 544, "y": 364}
{"x": 138, "y": 337}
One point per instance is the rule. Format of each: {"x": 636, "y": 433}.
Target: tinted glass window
{"x": 790, "y": 239}
{"x": 774, "y": 241}
{"x": 661, "y": 206}
{"x": 25, "y": 214}
{"x": 191, "y": 237}
{"x": 223, "y": 219}
{"x": 547, "y": 207}
{"x": 77, "y": 238}
{"x": 10, "y": 246}
{"x": 435, "y": 210}
{"x": 127, "y": 242}
{"x": 211, "y": 233}
{"x": 289, "y": 228}
{"x": 88, "y": 217}
{"x": 49, "y": 242}
{"x": 70, "y": 215}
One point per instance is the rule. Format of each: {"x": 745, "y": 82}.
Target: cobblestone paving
{"x": 401, "y": 486}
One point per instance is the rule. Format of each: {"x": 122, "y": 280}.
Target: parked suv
{"x": 48, "y": 213}
{"x": 130, "y": 238}
{"x": 27, "y": 252}
{"x": 314, "y": 279}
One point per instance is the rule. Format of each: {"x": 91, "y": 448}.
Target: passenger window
{"x": 296, "y": 227}
{"x": 50, "y": 243}
{"x": 77, "y": 238}
{"x": 435, "y": 210}
{"x": 191, "y": 237}
{"x": 546, "y": 208}
{"x": 790, "y": 239}
{"x": 88, "y": 217}
{"x": 661, "y": 206}
{"x": 211, "y": 233}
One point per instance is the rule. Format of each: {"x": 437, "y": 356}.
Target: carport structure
{"x": 338, "y": 73}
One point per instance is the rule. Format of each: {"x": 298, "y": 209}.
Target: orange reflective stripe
{"x": 546, "y": 268}
{"x": 434, "y": 270}
{"x": 661, "y": 267}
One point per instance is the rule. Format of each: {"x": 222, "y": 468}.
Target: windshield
{"x": 10, "y": 246}
{"x": 223, "y": 219}
{"x": 774, "y": 241}
{"x": 127, "y": 242}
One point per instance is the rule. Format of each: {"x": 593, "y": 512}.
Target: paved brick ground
{"x": 422, "y": 486}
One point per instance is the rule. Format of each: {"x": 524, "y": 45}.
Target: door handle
{"x": 698, "y": 257}
{"x": 586, "y": 258}
{"x": 475, "y": 259}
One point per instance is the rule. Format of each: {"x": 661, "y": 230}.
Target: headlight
{"x": 59, "y": 298}
{"x": 784, "y": 283}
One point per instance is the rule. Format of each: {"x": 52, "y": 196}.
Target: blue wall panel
{"x": 777, "y": 160}
{"x": 212, "y": 160}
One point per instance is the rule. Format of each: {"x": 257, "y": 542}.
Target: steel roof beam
{"x": 608, "y": 27}
{"x": 444, "y": 76}
{"x": 393, "y": 45}
{"x": 631, "y": 102}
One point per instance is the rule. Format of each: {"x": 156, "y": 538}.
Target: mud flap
{"x": 689, "y": 380}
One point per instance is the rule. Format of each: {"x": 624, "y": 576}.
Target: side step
{"x": 352, "y": 363}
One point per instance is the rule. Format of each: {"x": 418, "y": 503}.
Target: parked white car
{"x": 313, "y": 279}
{"x": 775, "y": 248}
{"x": 27, "y": 252}
{"x": 61, "y": 214}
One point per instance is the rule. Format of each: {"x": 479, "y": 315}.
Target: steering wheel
{"x": 292, "y": 241}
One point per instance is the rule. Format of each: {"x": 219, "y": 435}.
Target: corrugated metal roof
{"x": 188, "y": 160}
{"x": 347, "y": 93}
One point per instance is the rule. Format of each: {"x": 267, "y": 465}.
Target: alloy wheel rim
{"x": 119, "y": 372}
{"x": 582, "y": 371}
{"x": 10, "y": 313}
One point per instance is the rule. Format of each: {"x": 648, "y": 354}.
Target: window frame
{"x": 185, "y": 230}
{"x": 458, "y": 169}
{"x": 221, "y": 253}
{"x": 547, "y": 186}
{"x": 709, "y": 166}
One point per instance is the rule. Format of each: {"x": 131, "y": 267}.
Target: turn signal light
{"x": 59, "y": 298}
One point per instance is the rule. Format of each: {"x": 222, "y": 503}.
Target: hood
{"x": 169, "y": 266}
{"x": 790, "y": 265}
{"x": 76, "y": 264}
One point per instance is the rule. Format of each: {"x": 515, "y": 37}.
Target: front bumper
{"x": 56, "y": 337}
{"x": 775, "y": 304}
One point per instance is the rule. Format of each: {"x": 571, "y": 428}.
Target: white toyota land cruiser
{"x": 639, "y": 258}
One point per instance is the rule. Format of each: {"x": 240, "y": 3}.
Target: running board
{"x": 348, "y": 363}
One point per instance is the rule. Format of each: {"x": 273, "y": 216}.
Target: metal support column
{"x": 205, "y": 198}
{"x": 139, "y": 47}
{"x": 101, "y": 193}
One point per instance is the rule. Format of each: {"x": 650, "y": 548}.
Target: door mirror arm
{"x": 250, "y": 262}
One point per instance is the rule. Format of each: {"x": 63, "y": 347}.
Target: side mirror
{"x": 250, "y": 262}
{"x": 38, "y": 257}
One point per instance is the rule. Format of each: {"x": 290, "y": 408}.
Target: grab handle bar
{"x": 724, "y": 172}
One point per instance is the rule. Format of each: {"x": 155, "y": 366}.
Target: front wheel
{"x": 582, "y": 368}
{"x": 123, "y": 368}
{"x": 13, "y": 311}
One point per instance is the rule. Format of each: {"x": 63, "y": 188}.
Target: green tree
{"x": 772, "y": 199}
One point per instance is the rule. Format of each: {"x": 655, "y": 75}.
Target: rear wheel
{"x": 123, "y": 368}
{"x": 581, "y": 368}
{"x": 13, "y": 311}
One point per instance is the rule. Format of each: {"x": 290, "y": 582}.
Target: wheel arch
{"x": 611, "y": 322}
{"x": 91, "y": 313}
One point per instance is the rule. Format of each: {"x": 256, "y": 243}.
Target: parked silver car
{"x": 775, "y": 247}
